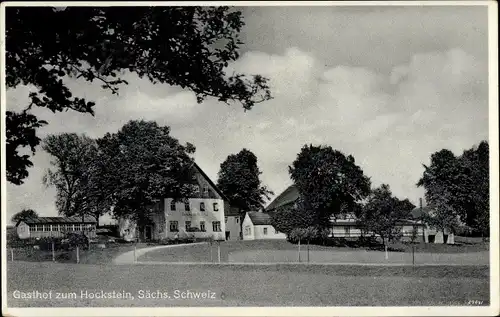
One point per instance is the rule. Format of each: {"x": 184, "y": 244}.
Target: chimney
{"x": 420, "y": 199}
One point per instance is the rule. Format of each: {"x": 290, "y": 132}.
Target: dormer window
{"x": 216, "y": 207}
{"x": 202, "y": 206}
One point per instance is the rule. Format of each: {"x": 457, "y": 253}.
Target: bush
{"x": 77, "y": 239}
{"x": 45, "y": 243}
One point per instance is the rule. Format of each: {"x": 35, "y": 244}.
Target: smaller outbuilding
{"x": 257, "y": 226}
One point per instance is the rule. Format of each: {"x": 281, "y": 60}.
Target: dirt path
{"x": 131, "y": 256}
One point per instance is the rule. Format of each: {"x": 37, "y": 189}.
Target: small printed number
{"x": 474, "y": 302}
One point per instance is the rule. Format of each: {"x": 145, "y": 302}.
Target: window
{"x": 216, "y": 226}
{"x": 202, "y": 206}
{"x": 248, "y": 230}
{"x": 205, "y": 191}
{"x": 202, "y": 226}
{"x": 225, "y": 219}
{"x": 216, "y": 207}
{"x": 55, "y": 227}
{"x": 187, "y": 207}
{"x": 32, "y": 227}
{"x": 69, "y": 227}
{"x": 347, "y": 231}
{"x": 172, "y": 205}
{"x": 237, "y": 220}
{"x": 174, "y": 226}
{"x": 45, "y": 227}
{"x": 188, "y": 225}
{"x": 265, "y": 230}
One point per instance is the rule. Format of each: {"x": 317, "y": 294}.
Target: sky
{"x": 388, "y": 85}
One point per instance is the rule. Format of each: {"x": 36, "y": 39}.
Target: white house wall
{"x": 23, "y": 231}
{"x": 271, "y": 233}
{"x": 248, "y": 228}
{"x": 195, "y": 215}
{"x": 233, "y": 226}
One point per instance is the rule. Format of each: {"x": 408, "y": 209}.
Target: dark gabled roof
{"x": 210, "y": 182}
{"x": 418, "y": 212}
{"x": 233, "y": 211}
{"x": 260, "y": 218}
{"x": 52, "y": 220}
{"x": 290, "y": 195}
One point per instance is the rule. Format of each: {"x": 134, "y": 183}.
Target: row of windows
{"x": 174, "y": 226}
{"x": 187, "y": 206}
{"x": 248, "y": 231}
{"x": 63, "y": 227}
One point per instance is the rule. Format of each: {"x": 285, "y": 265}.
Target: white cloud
{"x": 391, "y": 121}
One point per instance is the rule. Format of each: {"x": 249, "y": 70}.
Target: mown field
{"x": 245, "y": 285}
{"x": 283, "y": 251}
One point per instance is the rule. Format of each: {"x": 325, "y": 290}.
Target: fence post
{"x": 12, "y": 254}
{"x": 218, "y": 250}
{"x": 299, "y": 250}
{"x": 53, "y": 253}
{"x": 210, "y": 249}
{"x": 307, "y": 251}
{"x": 135, "y": 256}
{"x": 77, "y": 254}
{"x": 413, "y": 254}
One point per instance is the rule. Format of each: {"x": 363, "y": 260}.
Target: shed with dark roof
{"x": 287, "y": 197}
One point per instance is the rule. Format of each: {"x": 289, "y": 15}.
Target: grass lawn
{"x": 280, "y": 285}
{"x": 283, "y": 251}
{"x": 92, "y": 256}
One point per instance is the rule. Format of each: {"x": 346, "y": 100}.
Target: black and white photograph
{"x": 250, "y": 158}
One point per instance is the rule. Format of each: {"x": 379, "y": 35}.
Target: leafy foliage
{"x": 286, "y": 219}
{"x": 329, "y": 183}
{"x": 76, "y": 175}
{"x": 143, "y": 165}
{"x": 21, "y": 132}
{"x": 190, "y": 47}
{"x": 382, "y": 212}
{"x": 238, "y": 179}
{"x": 458, "y": 188}
{"x": 24, "y": 214}
{"x": 301, "y": 234}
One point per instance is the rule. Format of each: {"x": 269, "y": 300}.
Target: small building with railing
{"x": 56, "y": 227}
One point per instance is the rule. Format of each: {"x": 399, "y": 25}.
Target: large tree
{"x": 329, "y": 182}
{"x": 239, "y": 180}
{"x": 458, "y": 188}
{"x": 298, "y": 216}
{"x": 190, "y": 47}
{"x": 477, "y": 210}
{"x": 24, "y": 214}
{"x": 382, "y": 212}
{"x": 76, "y": 175}
{"x": 144, "y": 164}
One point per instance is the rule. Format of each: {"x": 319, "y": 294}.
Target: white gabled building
{"x": 257, "y": 226}
{"x": 200, "y": 217}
